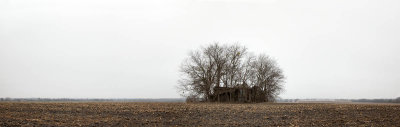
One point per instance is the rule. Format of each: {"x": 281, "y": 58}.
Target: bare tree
{"x": 247, "y": 72}
{"x": 198, "y": 75}
{"x": 234, "y": 56}
{"x": 216, "y": 54}
{"x": 268, "y": 76}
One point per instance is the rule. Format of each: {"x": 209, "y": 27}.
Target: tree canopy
{"x": 217, "y": 65}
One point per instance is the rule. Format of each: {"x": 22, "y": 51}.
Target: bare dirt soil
{"x": 198, "y": 114}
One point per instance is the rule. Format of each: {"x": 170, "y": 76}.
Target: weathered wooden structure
{"x": 238, "y": 94}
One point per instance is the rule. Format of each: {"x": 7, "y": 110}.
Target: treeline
{"x": 397, "y": 100}
{"x": 90, "y": 100}
{"x": 229, "y": 66}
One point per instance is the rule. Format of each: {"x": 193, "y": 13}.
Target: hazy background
{"x": 132, "y": 49}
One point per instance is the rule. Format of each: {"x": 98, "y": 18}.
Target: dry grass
{"x": 203, "y": 114}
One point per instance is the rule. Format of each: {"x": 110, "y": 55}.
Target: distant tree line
{"x": 396, "y": 100}
{"x": 90, "y": 100}
{"x": 218, "y": 65}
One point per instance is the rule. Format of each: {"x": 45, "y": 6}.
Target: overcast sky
{"x": 133, "y": 49}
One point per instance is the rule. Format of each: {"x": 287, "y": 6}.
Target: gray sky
{"x": 132, "y": 49}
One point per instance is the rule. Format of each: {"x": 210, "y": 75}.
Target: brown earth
{"x": 200, "y": 114}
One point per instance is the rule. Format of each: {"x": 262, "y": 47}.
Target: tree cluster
{"x": 218, "y": 65}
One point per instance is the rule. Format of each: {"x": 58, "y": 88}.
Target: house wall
{"x": 236, "y": 95}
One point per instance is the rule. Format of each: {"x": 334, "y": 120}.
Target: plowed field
{"x": 199, "y": 114}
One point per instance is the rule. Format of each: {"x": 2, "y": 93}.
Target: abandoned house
{"x": 237, "y": 94}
